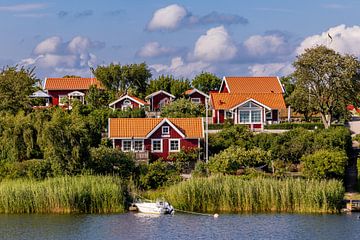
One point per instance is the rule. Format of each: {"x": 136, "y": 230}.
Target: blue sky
{"x": 182, "y": 38}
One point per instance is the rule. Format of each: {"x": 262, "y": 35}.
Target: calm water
{"x": 180, "y": 226}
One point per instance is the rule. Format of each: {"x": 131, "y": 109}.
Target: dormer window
{"x": 165, "y": 130}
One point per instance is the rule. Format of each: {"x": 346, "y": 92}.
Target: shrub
{"x": 37, "y": 169}
{"x": 287, "y": 125}
{"x": 231, "y": 159}
{"x": 106, "y": 160}
{"x": 201, "y": 170}
{"x": 338, "y": 138}
{"x": 185, "y": 159}
{"x": 325, "y": 164}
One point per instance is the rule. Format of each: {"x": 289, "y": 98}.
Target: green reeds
{"x": 85, "y": 194}
{"x": 234, "y": 194}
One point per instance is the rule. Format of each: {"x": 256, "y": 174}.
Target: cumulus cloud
{"x": 154, "y": 49}
{"x": 215, "y": 46}
{"x": 270, "y": 69}
{"x": 175, "y": 16}
{"x": 258, "y": 45}
{"x": 179, "y": 68}
{"x": 55, "y": 55}
{"x": 22, "y": 7}
{"x": 345, "y": 40}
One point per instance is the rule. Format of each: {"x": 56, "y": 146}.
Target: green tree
{"x": 327, "y": 79}
{"x": 183, "y": 108}
{"x": 120, "y": 79}
{"x": 206, "y": 82}
{"x": 97, "y": 98}
{"x": 176, "y": 87}
{"x": 16, "y": 85}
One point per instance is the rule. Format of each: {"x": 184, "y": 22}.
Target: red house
{"x": 61, "y": 89}
{"x": 252, "y": 101}
{"x": 128, "y": 101}
{"x": 159, "y": 99}
{"x": 196, "y": 96}
{"x": 155, "y": 137}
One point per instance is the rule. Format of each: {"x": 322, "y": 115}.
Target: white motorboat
{"x": 158, "y": 207}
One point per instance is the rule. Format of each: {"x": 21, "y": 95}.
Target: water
{"x": 180, "y": 226}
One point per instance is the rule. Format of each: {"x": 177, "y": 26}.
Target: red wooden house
{"x": 196, "y": 96}
{"x": 155, "y": 137}
{"x": 159, "y": 99}
{"x": 128, "y": 101}
{"x": 252, "y": 101}
{"x": 66, "y": 89}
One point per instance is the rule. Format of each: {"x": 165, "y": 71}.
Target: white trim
{"x": 161, "y": 145}
{"x": 44, "y": 87}
{"x": 133, "y": 148}
{"x": 109, "y": 128}
{"x": 282, "y": 88}
{"x": 122, "y": 145}
{"x": 124, "y": 97}
{"x": 227, "y": 86}
{"x": 165, "y": 120}
{"x": 165, "y": 127}
{"x": 197, "y": 90}
{"x": 198, "y": 102}
{"x": 253, "y": 100}
{"x": 202, "y": 127}
{"x": 62, "y": 96}
{"x": 76, "y": 94}
{"x": 113, "y": 143}
{"x": 218, "y": 116}
{"x": 174, "y": 139}
{"x": 158, "y": 92}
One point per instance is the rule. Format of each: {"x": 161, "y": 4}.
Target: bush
{"x": 201, "y": 170}
{"x": 106, "y": 160}
{"x": 287, "y": 125}
{"x": 36, "y": 169}
{"x": 338, "y": 138}
{"x": 185, "y": 159}
{"x": 325, "y": 164}
{"x": 231, "y": 159}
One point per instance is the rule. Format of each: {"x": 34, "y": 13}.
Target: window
{"x": 126, "y": 145}
{"x": 63, "y": 99}
{"x": 228, "y": 114}
{"x": 244, "y": 116}
{"x": 256, "y": 116}
{"x": 165, "y": 130}
{"x": 126, "y": 105}
{"x": 196, "y": 100}
{"x": 156, "y": 145}
{"x": 269, "y": 116}
{"x": 138, "y": 145}
{"x": 174, "y": 145}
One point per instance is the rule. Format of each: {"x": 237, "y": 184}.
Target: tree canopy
{"x": 326, "y": 80}
{"x": 206, "y": 82}
{"x": 176, "y": 87}
{"x": 183, "y": 108}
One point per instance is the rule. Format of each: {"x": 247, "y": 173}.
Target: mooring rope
{"x": 196, "y": 213}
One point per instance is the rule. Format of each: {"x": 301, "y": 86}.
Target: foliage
{"x": 327, "y": 80}
{"x": 158, "y": 174}
{"x": 122, "y": 78}
{"x": 235, "y": 194}
{"x": 287, "y": 125}
{"x": 97, "y": 98}
{"x": 183, "y": 108}
{"x": 169, "y": 84}
{"x": 36, "y": 169}
{"x": 16, "y": 85}
{"x": 206, "y": 82}
{"x": 104, "y": 160}
{"x": 236, "y": 135}
{"x": 200, "y": 170}
{"x": 325, "y": 164}
{"x": 84, "y": 194}
{"x": 231, "y": 159}
{"x": 184, "y": 159}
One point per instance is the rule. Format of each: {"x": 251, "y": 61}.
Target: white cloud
{"x": 167, "y": 18}
{"x": 22, "y": 7}
{"x": 258, "y": 45}
{"x": 270, "y": 69}
{"x": 345, "y": 40}
{"x": 215, "y": 46}
{"x": 154, "y": 49}
{"x": 49, "y": 45}
{"x": 179, "y": 68}
{"x": 79, "y": 44}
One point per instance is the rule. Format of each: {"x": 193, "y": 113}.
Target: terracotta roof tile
{"x": 139, "y": 100}
{"x": 140, "y": 127}
{"x": 187, "y": 92}
{"x": 229, "y": 100}
{"x": 70, "y": 83}
{"x": 254, "y": 85}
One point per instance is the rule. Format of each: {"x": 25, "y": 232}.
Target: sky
{"x": 181, "y": 38}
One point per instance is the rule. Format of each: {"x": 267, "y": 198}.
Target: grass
{"x": 85, "y": 194}
{"x": 235, "y": 195}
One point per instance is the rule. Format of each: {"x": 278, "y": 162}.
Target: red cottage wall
{"x": 156, "y": 100}
{"x": 55, "y": 95}
{"x": 224, "y": 89}
{"x": 221, "y": 116}
{"x": 198, "y": 95}
{"x": 215, "y": 116}
{"x": 119, "y": 104}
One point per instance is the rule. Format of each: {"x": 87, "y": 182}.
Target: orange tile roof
{"x": 254, "y": 84}
{"x": 140, "y": 127}
{"x": 229, "y": 100}
{"x": 139, "y": 100}
{"x": 187, "y": 92}
{"x": 71, "y": 83}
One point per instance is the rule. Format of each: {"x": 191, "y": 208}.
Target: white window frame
{"x": 196, "y": 100}
{"x": 251, "y": 116}
{"x": 178, "y": 141}
{"x": 266, "y": 116}
{"x": 126, "y": 105}
{"x": 249, "y": 121}
{"x": 60, "y": 97}
{"x": 122, "y": 145}
{"x": 152, "y": 146}
{"x": 163, "y": 132}
{"x": 142, "y": 145}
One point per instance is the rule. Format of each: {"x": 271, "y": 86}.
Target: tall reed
{"x": 234, "y": 194}
{"x": 86, "y": 194}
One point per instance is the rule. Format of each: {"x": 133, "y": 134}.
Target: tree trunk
{"x": 325, "y": 121}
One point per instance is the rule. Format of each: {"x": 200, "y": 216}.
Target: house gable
{"x": 127, "y": 101}
{"x": 173, "y": 130}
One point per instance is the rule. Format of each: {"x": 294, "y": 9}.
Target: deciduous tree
{"x": 206, "y": 82}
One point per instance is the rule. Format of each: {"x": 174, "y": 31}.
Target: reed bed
{"x": 234, "y": 195}
{"x": 85, "y": 194}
